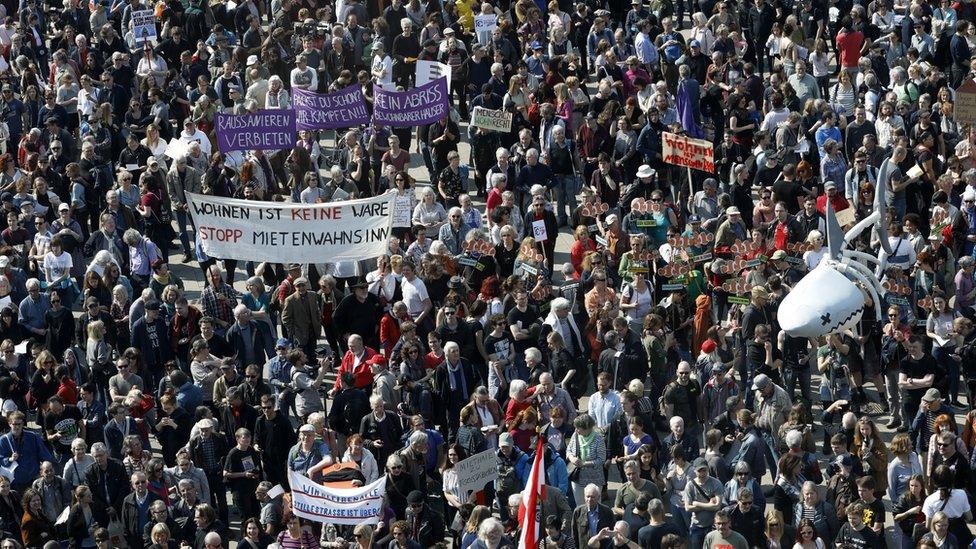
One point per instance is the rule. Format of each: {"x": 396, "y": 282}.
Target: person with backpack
{"x": 349, "y": 406}
{"x": 513, "y": 471}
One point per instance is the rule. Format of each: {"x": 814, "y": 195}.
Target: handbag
{"x": 573, "y": 470}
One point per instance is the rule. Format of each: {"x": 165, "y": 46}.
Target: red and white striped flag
{"x": 530, "y": 510}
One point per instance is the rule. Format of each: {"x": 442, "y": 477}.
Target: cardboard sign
{"x": 474, "y": 472}
{"x": 494, "y": 120}
{"x": 692, "y": 153}
{"x": 964, "y": 107}
{"x": 144, "y": 26}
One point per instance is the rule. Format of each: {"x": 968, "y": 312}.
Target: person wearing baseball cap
{"x": 703, "y": 496}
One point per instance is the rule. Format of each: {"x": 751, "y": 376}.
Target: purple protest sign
{"x": 423, "y": 105}
{"x": 325, "y": 111}
{"x": 267, "y": 130}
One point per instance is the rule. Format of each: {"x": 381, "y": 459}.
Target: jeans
{"x": 696, "y": 538}
{"x": 894, "y": 393}
{"x": 565, "y": 191}
{"x": 680, "y": 517}
{"x": 797, "y": 375}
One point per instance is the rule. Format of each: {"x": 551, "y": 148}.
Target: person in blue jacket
{"x": 556, "y": 473}
{"x": 26, "y": 449}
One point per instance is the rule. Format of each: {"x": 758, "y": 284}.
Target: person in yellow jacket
{"x": 465, "y": 12}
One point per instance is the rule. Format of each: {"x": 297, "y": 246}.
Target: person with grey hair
{"x": 415, "y": 456}
{"x": 561, "y": 320}
{"x": 533, "y": 173}
{"x": 490, "y": 533}
{"x": 133, "y": 518}
{"x": 212, "y": 541}
{"x": 591, "y": 516}
{"x": 34, "y": 307}
{"x": 455, "y": 380}
{"x": 566, "y": 168}
{"x": 248, "y": 341}
{"x": 453, "y": 233}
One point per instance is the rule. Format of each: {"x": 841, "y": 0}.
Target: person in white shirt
{"x": 415, "y": 295}
{"x": 191, "y": 134}
{"x": 382, "y": 67}
{"x": 152, "y": 65}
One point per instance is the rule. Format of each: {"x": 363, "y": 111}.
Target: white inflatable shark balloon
{"x": 828, "y": 300}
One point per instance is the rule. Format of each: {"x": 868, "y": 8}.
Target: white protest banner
{"x": 428, "y": 71}
{"x": 228, "y": 228}
{"x": 539, "y": 230}
{"x": 495, "y": 120}
{"x": 476, "y": 471}
{"x": 485, "y": 23}
{"x": 313, "y": 501}
{"x": 144, "y": 26}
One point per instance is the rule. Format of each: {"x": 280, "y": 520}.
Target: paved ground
{"x": 193, "y": 278}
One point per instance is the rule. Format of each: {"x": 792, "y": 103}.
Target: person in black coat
{"x": 205, "y": 521}
{"x": 60, "y": 325}
{"x": 159, "y": 514}
{"x": 11, "y": 511}
{"x": 236, "y": 415}
{"x": 151, "y": 336}
{"x": 273, "y": 437}
{"x": 455, "y": 381}
{"x": 107, "y": 480}
{"x": 172, "y": 428}
{"x": 84, "y": 517}
{"x": 539, "y": 212}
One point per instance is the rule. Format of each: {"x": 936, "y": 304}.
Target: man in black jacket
{"x": 107, "y": 479}
{"x": 747, "y": 519}
{"x": 273, "y": 438}
{"x": 135, "y": 510}
{"x": 426, "y": 525}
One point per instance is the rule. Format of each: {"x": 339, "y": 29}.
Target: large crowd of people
{"x": 149, "y": 401}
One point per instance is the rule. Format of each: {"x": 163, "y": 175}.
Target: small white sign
{"x": 485, "y": 23}
{"x": 144, "y": 26}
{"x": 428, "y": 71}
{"x": 539, "y": 230}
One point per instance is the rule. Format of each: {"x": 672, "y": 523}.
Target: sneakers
{"x": 893, "y": 423}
